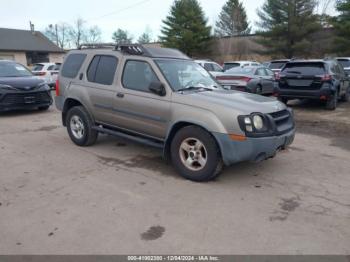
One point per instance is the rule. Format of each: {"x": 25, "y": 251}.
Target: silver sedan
{"x": 253, "y": 79}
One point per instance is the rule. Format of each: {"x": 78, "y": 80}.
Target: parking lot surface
{"x": 119, "y": 197}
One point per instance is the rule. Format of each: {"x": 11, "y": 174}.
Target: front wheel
{"x": 195, "y": 154}
{"x": 79, "y": 127}
{"x": 43, "y": 108}
{"x": 346, "y": 97}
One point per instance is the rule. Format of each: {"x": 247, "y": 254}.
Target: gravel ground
{"x": 118, "y": 197}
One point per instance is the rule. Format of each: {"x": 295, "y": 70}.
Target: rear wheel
{"x": 259, "y": 90}
{"x": 195, "y": 154}
{"x": 283, "y": 100}
{"x": 332, "y": 102}
{"x": 346, "y": 96}
{"x": 43, "y": 108}
{"x": 79, "y": 127}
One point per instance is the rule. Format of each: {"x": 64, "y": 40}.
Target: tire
{"x": 346, "y": 96}
{"x": 205, "y": 162}
{"x": 283, "y": 100}
{"x": 332, "y": 102}
{"x": 43, "y": 108}
{"x": 79, "y": 127}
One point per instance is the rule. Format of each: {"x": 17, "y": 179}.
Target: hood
{"x": 241, "y": 102}
{"x": 23, "y": 83}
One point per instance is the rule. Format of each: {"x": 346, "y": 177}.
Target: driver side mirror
{"x": 157, "y": 88}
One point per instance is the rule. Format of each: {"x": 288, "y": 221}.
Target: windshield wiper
{"x": 199, "y": 88}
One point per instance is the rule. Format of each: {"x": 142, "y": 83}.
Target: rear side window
{"x": 277, "y": 65}
{"x": 72, "y": 65}
{"x": 138, "y": 75}
{"x": 102, "y": 69}
{"x": 304, "y": 68}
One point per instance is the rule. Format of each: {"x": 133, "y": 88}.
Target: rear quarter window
{"x": 72, "y": 65}
{"x": 305, "y": 68}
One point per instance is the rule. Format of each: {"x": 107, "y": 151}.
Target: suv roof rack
{"x": 97, "y": 46}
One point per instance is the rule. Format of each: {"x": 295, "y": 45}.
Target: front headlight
{"x": 254, "y": 124}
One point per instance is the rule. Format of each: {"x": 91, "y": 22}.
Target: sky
{"x": 133, "y": 15}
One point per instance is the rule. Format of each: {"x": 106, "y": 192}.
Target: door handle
{"x": 120, "y": 95}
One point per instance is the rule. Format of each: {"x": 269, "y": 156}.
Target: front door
{"x": 136, "y": 108}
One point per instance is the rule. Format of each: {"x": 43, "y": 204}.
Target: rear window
{"x": 344, "y": 62}
{"x": 304, "y": 68}
{"x": 72, "y": 65}
{"x": 102, "y": 69}
{"x": 277, "y": 65}
{"x": 38, "y": 67}
{"x": 228, "y": 66}
{"x": 240, "y": 70}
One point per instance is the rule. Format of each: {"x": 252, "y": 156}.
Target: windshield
{"x": 344, "y": 63}
{"x": 184, "y": 74}
{"x": 277, "y": 65}
{"x": 13, "y": 70}
{"x": 240, "y": 70}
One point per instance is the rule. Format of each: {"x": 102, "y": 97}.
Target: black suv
{"x": 324, "y": 80}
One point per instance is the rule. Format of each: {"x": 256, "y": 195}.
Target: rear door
{"x": 302, "y": 75}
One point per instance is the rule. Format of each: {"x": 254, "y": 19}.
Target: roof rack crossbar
{"x": 131, "y": 49}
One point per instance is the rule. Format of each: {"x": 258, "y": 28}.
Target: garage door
{"x": 6, "y": 57}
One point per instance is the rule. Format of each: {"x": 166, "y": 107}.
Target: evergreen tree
{"x": 186, "y": 28}
{"x": 122, "y": 37}
{"x": 342, "y": 28}
{"x": 232, "y": 20}
{"x": 146, "y": 37}
{"x": 286, "y": 27}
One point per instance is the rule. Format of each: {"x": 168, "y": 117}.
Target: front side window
{"x": 182, "y": 74}
{"x": 72, "y": 65}
{"x": 13, "y": 70}
{"x": 138, "y": 75}
{"x": 102, "y": 69}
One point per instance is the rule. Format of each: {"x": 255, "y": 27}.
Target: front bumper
{"x": 18, "y": 100}
{"x": 252, "y": 149}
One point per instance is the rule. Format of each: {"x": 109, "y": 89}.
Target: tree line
{"x": 285, "y": 27}
{"x": 72, "y": 35}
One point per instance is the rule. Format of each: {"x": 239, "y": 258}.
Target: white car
{"x": 345, "y": 62}
{"x": 213, "y": 68}
{"x": 233, "y": 64}
{"x": 47, "y": 71}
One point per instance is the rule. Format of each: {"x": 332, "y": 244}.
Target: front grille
{"x": 26, "y": 98}
{"x": 283, "y": 121}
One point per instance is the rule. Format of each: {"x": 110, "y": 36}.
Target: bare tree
{"x": 78, "y": 32}
{"x": 59, "y": 34}
{"x": 93, "y": 35}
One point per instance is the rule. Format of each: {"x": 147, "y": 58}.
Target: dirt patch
{"x": 153, "y": 233}
{"x": 152, "y": 163}
{"x": 289, "y": 205}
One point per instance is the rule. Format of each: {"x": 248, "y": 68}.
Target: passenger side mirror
{"x": 157, "y": 88}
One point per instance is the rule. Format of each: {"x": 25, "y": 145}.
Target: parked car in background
{"x": 315, "y": 79}
{"x": 252, "y": 79}
{"x": 47, "y": 71}
{"x": 20, "y": 89}
{"x": 160, "y": 97}
{"x": 212, "y": 67}
{"x": 345, "y": 63}
{"x": 277, "y": 65}
{"x": 232, "y": 64}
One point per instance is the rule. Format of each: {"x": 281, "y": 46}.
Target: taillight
{"x": 57, "y": 88}
{"x": 326, "y": 77}
{"x": 239, "y": 78}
